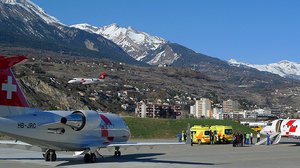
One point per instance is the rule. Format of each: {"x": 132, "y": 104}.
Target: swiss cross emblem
{"x": 9, "y": 87}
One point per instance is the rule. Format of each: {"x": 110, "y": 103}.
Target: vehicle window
{"x": 228, "y": 131}
{"x": 206, "y": 132}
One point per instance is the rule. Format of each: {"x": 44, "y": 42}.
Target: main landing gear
{"x": 50, "y": 155}
{"x": 117, "y": 151}
{"x": 90, "y": 158}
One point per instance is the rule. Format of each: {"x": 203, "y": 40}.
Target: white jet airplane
{"x": 86, "y": 81}
{"x": 282, "y": 128}
{"x": 81, "y": 130}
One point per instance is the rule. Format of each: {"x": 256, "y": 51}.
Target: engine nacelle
{"x": 76, "y": 120}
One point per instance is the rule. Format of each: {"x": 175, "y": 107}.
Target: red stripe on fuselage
{"x": 290, "y": 124}
{"x": 105, "y": 119}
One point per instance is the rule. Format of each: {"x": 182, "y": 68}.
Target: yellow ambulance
{"x": 200, "y": 134}
{"x": 223, "y": 133}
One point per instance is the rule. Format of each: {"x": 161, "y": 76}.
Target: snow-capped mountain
{"x": 137, "y": 44}
{"x": 24, "y": 24}
{"x": 283, "y": 68}
{"x": 32, "y": 8}
{"x": 149, "y": 49}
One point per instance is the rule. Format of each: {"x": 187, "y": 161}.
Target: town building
{"x": 230, "y": 106}
{"x": 217, "y": 113}
{"x": 152, "y": 110}
{"x": 236, "y": 115}
{"x": 202, "y": 108}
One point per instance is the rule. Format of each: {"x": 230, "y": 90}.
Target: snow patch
{"x": 283, "y": 68}
{"x": 135, "y": 43}
{"x": 34, "y": 9}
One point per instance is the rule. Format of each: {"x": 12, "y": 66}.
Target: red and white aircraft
{"x": 89, "y": 80}
{"x": 81, "y": 130}
{"x": 282, "y": 127}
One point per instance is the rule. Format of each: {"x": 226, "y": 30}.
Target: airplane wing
{"x": 135, "y": 144}
{"x": 127, "y": 145}
{"x": 18, "y": 145}
{"x": 130, "y": 144}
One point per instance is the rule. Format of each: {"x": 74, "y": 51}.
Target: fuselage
{"x": 85, "y": 80}
{"x": 286, "y": 127}
{"x": 46, "y": 129}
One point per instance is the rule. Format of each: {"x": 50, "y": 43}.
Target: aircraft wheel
{"x": 87, "y": 158}
{"x": 53, "y": 156}
{"x": 47, "y": 156}
{"x": 117, "y": 153}
{"x": 93, "y": 158}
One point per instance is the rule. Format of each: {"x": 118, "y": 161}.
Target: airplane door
{"x": 278, "y": 126}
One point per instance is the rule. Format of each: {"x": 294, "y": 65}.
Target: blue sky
{"x": 253, "y": 31}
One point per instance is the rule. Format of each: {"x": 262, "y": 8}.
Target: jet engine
{"x": 76, "y": 120}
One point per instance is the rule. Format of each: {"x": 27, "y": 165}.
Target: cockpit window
{"x": 269, "y": 124}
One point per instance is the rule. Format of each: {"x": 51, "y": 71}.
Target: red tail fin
{"x": 102, "y": 75}
{"x": 10, "y": 91}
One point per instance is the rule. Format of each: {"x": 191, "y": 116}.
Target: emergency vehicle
{"x": 200, "y": 134}
{"x": 223, "y": 133}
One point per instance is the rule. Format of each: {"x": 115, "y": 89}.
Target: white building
{"x": 217, "y": 113}
{"x": 202, "y": 108}
{"x": 230, "y": 106}
{"x": 236, "y": 115}
{"x": 193, "y": 110}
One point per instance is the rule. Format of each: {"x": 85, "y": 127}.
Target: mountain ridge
{"x": 136, "y": 43}
{"x": 24, "y": 24}
{"x": 284, "y": 68}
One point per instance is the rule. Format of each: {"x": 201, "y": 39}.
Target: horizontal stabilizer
{"x": 102, "y": 75}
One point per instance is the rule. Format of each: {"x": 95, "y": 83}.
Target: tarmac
{"x": 285, "y": 154}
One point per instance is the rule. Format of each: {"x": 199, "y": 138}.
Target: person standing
{"x": 234, "y": 140}
{"x": 248, "y": 138}
{"x": 268, "y": 139}
{"x": 251, "y": 138}
{"x": 179, "y": 137}
{"x": 258, "y": 137}
{"x": 242, "y": 139}
{"x": 184, "y": 136}
{"x": 212, "y": 141}
{"x": 192, "y": 138}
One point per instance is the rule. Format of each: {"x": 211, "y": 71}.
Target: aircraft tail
{"x": 12, "y": 99}
{"x": 102, "y": 75}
